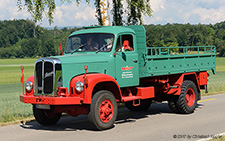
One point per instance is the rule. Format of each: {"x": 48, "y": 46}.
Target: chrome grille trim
{"x": 45, "y": 74}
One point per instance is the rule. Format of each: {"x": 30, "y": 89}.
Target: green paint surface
{"x": 127, "y": 67}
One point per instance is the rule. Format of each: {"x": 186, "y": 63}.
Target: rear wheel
{"x": 187, "y": 101}
{"x": 46, "y": 117}
{"x": 103, "y": 110}
{"x": 144, "y": 105}
{"x": 172, "y": 103}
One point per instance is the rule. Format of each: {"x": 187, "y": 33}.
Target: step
{"x": 130, "y": 98}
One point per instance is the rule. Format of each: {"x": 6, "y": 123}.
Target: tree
{"x": 48, "y": 48}
{"x": 37, "y": 8}
{"x": 98, "y": 12}
{"x": 30, "y": 47}
{"x": 135, "y": 10}
{"x": 222, "y": 52}
{"x": 117, "y": 12}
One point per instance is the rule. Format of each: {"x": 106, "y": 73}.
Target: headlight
{"x": 79, "y": 86}
{"x": 29, "y": 86}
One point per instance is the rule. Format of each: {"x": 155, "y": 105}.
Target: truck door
{"x": 127, "y": 68}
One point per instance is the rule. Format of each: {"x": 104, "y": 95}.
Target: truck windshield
{"x": 100, "y": 42}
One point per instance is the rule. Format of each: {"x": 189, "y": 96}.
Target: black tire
{"x": 144, "y": 105}
{"x": 46, "y": 117}
{"x": 103, "y": 110}
{"x": 187, "y": 101}
{"x": 172, "y": 99}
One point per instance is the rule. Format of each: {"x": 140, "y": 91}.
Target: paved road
{"x": 158, "y": 123}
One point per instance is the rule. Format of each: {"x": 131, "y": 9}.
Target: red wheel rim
{"x": 190, "y": 97}
{"x": 106, "y": 111}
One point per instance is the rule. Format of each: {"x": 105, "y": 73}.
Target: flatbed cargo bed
{"x": 174, "y": 60}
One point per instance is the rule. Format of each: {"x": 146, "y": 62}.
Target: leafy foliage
{"x": 22, "y": 38}
{"x": 37, "y": 8}
{"x": 117, "y": 12}
{"x": 135, "y": 10}
{"x": 98, "y": 12}
{"x": 187, "y": 35}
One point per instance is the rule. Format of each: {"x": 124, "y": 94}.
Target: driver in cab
{"x": 91, "y": 44}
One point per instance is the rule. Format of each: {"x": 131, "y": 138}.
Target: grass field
{"x": 217, "y": 82}
{"x": 220, "y": 138}
{"x": 11, "y": 109}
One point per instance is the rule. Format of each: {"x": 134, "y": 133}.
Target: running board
{"x": 130, "y": 98}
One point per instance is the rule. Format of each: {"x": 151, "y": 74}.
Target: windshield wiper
{"x": 78, "y": 48}
{"x": 103, "y": 47}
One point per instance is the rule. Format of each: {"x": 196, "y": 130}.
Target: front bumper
{"x": 50, "y": 100}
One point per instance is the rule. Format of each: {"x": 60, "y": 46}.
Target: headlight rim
{"x": 81, "y": 86}
{"x": 31, "y": 85}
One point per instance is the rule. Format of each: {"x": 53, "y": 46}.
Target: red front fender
{"x": 92, "y": 81}
{"x": 31, "y": 79}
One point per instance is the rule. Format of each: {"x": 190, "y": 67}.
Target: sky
{"x": 165, "y": 11}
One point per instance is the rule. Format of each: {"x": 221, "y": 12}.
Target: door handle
{"x": 135, "y": 60}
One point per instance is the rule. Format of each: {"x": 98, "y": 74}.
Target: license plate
{"x": 41, "y": 106}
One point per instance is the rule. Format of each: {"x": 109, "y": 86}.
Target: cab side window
{"x": 128, "y": 38}
{"x": 123, "y": 38}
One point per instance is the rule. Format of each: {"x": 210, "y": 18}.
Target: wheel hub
{"x": 106, "y": 111}
{"x": 190, "y": 97}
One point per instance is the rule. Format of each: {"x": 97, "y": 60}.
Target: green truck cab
{"x": 102, "y": 66}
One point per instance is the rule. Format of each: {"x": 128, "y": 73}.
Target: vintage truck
{"x": 103, "y": 66}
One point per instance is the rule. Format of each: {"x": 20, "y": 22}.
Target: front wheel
{"x": 103, "y": 110}
{"x": 46, "y": 117}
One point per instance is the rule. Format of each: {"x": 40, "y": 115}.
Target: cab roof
{"x": 105, "y": 29}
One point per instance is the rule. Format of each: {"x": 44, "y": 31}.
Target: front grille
{"x": 45, "y": 75}
{"x": 48, "y": 78}
{"x": 38, "y": 70}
